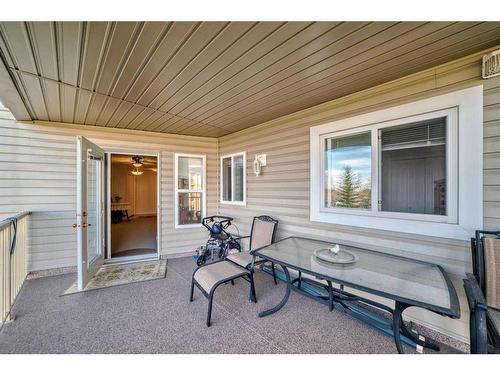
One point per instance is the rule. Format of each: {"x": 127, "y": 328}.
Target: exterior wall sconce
{"x": 259, "y": 162}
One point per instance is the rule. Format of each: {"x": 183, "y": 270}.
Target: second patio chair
{"x": 483, "y": 293}
{"x": 209, "y": 277}
{"x": 263, "y": 233}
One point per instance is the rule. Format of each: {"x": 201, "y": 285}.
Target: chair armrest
{"x": 238, "y": 239}
{"x": 475, "y": 296}
{"x": 478, "y": 328}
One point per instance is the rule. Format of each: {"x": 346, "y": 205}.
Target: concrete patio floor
{"x": 157, "y": 317}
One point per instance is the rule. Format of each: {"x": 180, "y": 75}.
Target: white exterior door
{"x": 89, "y": 210}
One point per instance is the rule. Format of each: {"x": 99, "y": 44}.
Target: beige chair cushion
{"x": 209, "y": 275}
{"x": 244, "y": 258}
{"x": 492, "y": 268}
{"x": 262, "y": 233}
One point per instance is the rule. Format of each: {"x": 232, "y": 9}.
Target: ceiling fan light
{"x": 137, "y": 172}
{"x": 137, "y": 165}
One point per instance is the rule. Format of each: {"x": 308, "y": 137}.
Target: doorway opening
{"x": 133, "y": 210}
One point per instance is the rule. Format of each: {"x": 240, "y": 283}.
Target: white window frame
{"x": 464, "y": 150}
{"x": 203, "y": 191}
{"x": 232, "y": 201}
{"x": 376, "y": 180}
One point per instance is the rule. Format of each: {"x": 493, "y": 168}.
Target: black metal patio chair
{"x": 263, "y": 233}
{"x": 207, "y": 278}
{"x": 483, "y": 293}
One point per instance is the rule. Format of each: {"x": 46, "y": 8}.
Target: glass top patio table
{"x": 411, "y": 281}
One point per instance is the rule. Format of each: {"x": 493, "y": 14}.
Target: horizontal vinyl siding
{"x": 38, "y": 173}
{"x": 491, "y": 161}
{"x": 282, "y": 190}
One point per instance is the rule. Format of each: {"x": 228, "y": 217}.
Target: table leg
{"x": 400, "y": 328}
{"x": 397, "y": 321}
{"x": 330, "y": 295}
{"x": 285, "y": 298}
{"x": 417, "y": 339}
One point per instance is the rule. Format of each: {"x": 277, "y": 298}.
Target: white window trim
{"x": 233, "y": 202}
{"x": 177, "y": 190}
{"x": 464, "y": 174}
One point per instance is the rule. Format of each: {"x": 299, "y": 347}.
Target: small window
{"x": 189, "y": 190}
{"x": 233, "y": 178}
{"x": 348, "y": 171}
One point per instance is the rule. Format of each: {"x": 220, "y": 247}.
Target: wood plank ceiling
{"x": 215, "y": 78}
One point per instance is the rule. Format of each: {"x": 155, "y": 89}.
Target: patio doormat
{"x": 120, "y": 274}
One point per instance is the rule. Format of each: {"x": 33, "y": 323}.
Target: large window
{"x": 233, "y": 178}
{"x": 403, "y": 168}
{"x": 394, "y": 169}
{"x": 412, "y": 164}
{"x": 189, "y": 190}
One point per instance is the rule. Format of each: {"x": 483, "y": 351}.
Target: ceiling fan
{"x": 139, "y": 162}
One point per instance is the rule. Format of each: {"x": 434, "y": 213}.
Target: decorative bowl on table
{"x": 335, "y": 255}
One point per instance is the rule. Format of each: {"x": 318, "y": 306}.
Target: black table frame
{"x": 340, "y": 296}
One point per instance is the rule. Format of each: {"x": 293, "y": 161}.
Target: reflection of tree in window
{"x": 351, "y": 192}
{"x": 348, "y": 171}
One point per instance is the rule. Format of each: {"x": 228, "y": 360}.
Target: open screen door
{"x": 89, "y": 210}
